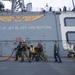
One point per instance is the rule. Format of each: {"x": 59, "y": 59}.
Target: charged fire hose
{"x": 9, "y": 56}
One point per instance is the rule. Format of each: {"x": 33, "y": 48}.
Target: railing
{"x": 52, "y": 8}
{"x": 39, "y": 9}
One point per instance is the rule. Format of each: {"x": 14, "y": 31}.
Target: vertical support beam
{"x": 73, "y": 3}
{"x": 17, "y": 5}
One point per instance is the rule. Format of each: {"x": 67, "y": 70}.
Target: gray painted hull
{"x": 32, "y": 27}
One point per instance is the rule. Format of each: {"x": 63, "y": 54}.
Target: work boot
{"x": 30, "y": 61}
{"x": 15, "y": 60}
{"x": 46, "y": 60}
{"x": 22, "y": 60}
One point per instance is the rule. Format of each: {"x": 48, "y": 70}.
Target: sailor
{"x": 40, "y": 51}
{"x": 32, "y": 52}
{"x": 56, "y": 53}
{"x": 64, "y": 8}
{"x": 74, "y": 47}
{"x": 36, "y": 54}
{"x": 24, "y": 52}
{"x": 19, "y": 50}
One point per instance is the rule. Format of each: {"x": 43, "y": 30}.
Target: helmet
{"x": 20, "y": 42}
{"x": 31, "y": 45}
{"x": 24, "y": 41}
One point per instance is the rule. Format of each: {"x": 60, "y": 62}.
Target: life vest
{"x": 32, "y": 50}
{"x": 40, "y": 48}
{"x": 19, "y": 47}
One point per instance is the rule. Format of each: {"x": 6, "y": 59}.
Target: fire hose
{"x": 9, "y": 56}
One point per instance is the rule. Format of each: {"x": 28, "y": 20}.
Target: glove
{"x": 15, "y": 48}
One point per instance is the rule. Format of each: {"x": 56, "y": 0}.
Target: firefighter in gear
{"x": 24, "y": 52}
{"x": 19, "y": 50}
{"x": 31, "y": 52}
{"x": 36, "y": 54}
{"x": 40, "y": 51}
{"x": 56, "y": 53}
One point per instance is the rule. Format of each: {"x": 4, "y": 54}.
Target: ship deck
{"x": 11, "y": 67}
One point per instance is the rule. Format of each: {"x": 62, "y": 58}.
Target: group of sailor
{"x": 35, "y": 53}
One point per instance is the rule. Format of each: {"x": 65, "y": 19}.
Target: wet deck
{"x": 11, "y": 67}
